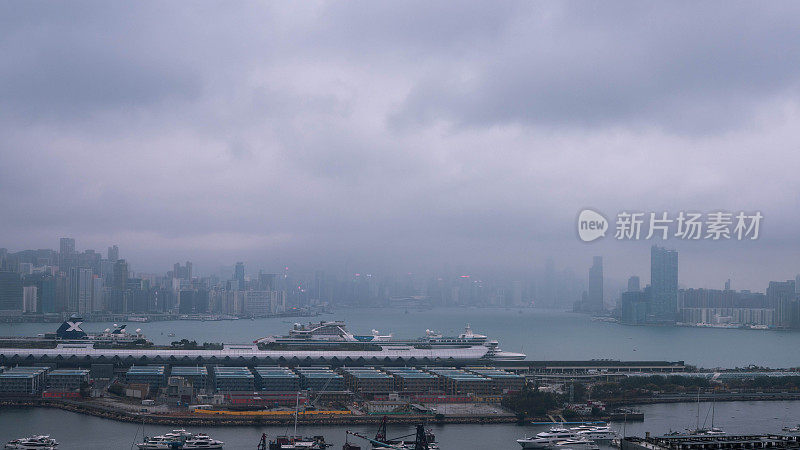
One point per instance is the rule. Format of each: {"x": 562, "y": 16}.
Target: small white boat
{"x": 33, "y": 442}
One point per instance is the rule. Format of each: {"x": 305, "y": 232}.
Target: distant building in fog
{"x": 595, "y": 293}
{"x": 633, "y": 284}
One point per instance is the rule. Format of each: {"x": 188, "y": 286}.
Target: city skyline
{"x": 327, "y": 138}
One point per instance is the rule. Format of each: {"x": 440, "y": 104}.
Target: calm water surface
{"x": 76, "y": 431}
{"x": 541, "y": 334}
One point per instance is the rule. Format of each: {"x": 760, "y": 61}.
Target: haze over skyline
{"x": 399, "y": 137}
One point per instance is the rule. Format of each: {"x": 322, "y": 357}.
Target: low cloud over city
{"x": 399, "y": 136}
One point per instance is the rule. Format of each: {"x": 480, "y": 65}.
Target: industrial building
{"x": 502, "y": 381}
{"x": 320, "y": 379}
{"x": 456, "y": 381}
{"x": 198, "y": 376}
{"x": 367, "y": 381}
{"x": 67, "y": 379}
{"x": 228, "y": 379}
{"x": 23, "y": 380}
{"x": 410, "y": 380}
{"x": 276, "y": 378}
{"x": 155, "y": 376}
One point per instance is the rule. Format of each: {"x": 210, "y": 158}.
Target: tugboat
{"x": 33, "y": 442}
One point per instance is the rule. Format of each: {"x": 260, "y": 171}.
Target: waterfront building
{"x": 29, "y": 299}
{"x": 367, "y": 381}
{"x": 276, "y": 378}
{"x": 634, "y": 307}
{"x": 502, "y": 381}
{"x": 23, "y": 380}
{"x": 153, "y": 375}
{"x": 459, "y": 382}
{"x": 782, "y": 298}
{"x": 595, "y": 293}
{"x": 11, "y": 295}
{"x": 663, "y": 285}
{"x": 410, "y": 380}
{"x": 320, "y": 379}
{"x": 67, "y": 379}
{"x": 233, "y": 379}
{"x": 197, "y": 375}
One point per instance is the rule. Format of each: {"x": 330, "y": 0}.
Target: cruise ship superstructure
{"x": 323, "y": 342}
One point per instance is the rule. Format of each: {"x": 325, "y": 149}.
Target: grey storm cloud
{"x": 399, "y": 135}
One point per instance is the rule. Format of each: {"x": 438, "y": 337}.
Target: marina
{"x": 75, "y": 431}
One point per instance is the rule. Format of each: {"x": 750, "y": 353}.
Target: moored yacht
{"x": 202, "y": 440}
{"x": 597, "y": 433}
{"x": 547, "y": 438}
{"x": 33, "y": 442}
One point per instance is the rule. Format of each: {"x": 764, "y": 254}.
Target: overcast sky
{"x": 399, "y": 136}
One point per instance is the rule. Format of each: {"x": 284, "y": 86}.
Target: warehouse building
{"x": 228, "y": 379}
{"x": 367, "y": 381}
{"x": 23, "y": 380}
{"x": 155, "y": 376}
{"x": 320, "y": 379}
{"x": 410, "y": 380}
{"x": 67, "y": 379}
{"x": 458, "y": 382}
{"x": 502, "y": 381}
{"x": 198, "y": 376}
{"x": 276, "y": 379}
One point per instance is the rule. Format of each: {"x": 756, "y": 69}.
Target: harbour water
{"x": 75, "y": 431}
{"x": 541, "y": 334}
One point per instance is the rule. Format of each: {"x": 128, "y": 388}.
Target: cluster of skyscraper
{"x": 662, "y": 303}
{"x": 66, "y": 282}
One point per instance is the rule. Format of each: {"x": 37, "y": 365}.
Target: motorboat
{"x": 547, "y": 438}
{"x": 33, "y": 442}
{"x": 202, "y": 440}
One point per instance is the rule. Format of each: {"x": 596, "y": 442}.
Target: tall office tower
{"x": 81, "y": 289}
{"x": 113, "y": 253}
{"x": 595, "y": 297}
{"x": 120, "y": 275}
{"x": 66, "y": 246}
{"x": 633, "y": 284}
{"x": 66, "y": 254}
{"x": 182, "y": 272}
{"x": 238, "y": 274}
{"x": 267, "y": 281}
{"x": 10, "y": 293}
{"x": 3, "y": 258}
{"x": 29, "y": 299}
{"x": 664, "y": 284}
{"x": 98, "y": 289}
{"x": 728, "y": 284}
